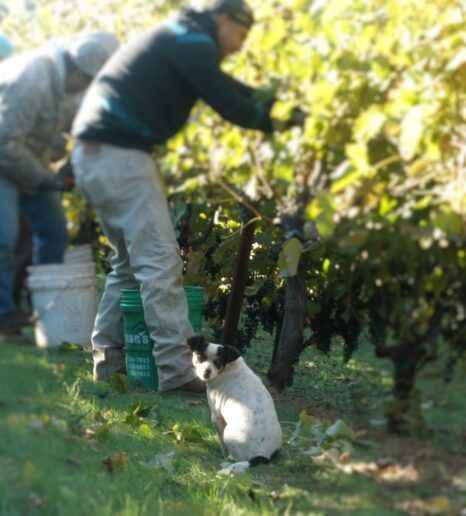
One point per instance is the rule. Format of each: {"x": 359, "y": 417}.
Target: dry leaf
{"x": 89, "y": 433}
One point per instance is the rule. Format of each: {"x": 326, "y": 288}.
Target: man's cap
{"x": 6, "y": 48}
{"x": 107, "y": 39}
{"x": 89, "y": 52}
{"x": 238, "y": 10}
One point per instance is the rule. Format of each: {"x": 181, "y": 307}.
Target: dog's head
{"x": 209, "y": 359}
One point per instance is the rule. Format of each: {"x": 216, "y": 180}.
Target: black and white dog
{"x": 243, "y": 412}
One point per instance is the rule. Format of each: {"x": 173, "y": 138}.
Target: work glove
{"x": 61, "y": 181}
{"x": 296, "y": 119}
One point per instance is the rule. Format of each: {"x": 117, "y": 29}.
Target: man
{"x": 38, "y": 99}
{"x": 142, "y": 97}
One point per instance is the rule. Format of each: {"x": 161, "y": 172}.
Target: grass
{"x": 72, "y": 447}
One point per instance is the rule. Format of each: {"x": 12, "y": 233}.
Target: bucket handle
{"x": 35, "y": 318}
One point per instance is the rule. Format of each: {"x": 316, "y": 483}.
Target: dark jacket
{"x": 145, "y": 93}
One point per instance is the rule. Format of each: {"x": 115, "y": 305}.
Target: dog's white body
{"x": 243, "y": 412}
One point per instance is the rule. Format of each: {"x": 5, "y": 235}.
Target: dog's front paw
{"x": 236, "y": 467}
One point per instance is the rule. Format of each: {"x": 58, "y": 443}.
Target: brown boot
{"x": 12, "y": 333}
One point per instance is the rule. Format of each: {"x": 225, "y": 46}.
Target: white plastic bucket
{"x": 64, "y": 299}
{"x": 79, "y": 254}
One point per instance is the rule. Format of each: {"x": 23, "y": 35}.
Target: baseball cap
{"x": 90, "y": 52}
{"x": 107, "y": 39}
{"x": 237, "y": 10}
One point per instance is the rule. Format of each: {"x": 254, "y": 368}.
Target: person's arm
{"x": 21, "y": 100}
{"x": 199, "y": 64}
{"x": 245, "y": 90}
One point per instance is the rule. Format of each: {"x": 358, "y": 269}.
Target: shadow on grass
{"x": 69, "y": 446}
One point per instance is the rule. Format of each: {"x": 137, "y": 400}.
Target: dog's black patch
{"x": 256, "y": 461}
{"x": 227, "y": 354}
{"x": 197, "y": 344}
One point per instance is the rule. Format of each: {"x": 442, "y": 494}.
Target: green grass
{"x": 71, "y": 447}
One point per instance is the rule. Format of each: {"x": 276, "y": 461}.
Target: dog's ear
{"x": 231, "y": 354}
{"x": 197, "y": 343}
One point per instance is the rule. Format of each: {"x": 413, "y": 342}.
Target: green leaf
{"x": 284, "y": 171}
{"x": 308, "y": 429}
{"x": 369, "y": 124}
{"x": 67, "y": 346}
{"x": 288, "y": 260}
{"x": 387, "y": 204}
{"x": 322, "y": 210}
{"x": 412, "y": 128}
{"x": 349, "y": 179}
{"x": 339, "y": 430}
{"x": 186, "y": 433}
{"x": 358, "y": 156}
{"x": 448, "y": 221}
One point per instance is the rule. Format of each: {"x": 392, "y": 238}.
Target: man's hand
{"x": 60, "y": 181}
{"x": 296, "y": 119}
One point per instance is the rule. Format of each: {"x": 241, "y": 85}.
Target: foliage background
{"x": 375, "y": 181}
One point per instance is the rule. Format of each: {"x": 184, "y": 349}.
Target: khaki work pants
{"x": 123, "y": 186}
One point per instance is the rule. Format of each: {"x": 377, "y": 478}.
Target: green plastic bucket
{"x": 140, "y": 365}
{"x": 195, "y": 297}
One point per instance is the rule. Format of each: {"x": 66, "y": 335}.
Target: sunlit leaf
{"x": 290, "y": 255}
{"x": 322, "y": 210}
{"x": 411, "y": 132}
{"x": 369, "y": 124}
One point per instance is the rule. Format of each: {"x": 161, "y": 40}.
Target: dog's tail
{"x": 256, "y": 461}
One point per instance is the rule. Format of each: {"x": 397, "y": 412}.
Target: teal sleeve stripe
{"x": 115, "y": 108}
{"x": 196, "y": 37}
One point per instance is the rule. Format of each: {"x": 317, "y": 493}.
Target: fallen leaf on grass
{"x": 436, "y": 505}
{"x": 388, "y": 473}
{"x": 38, "y": 501}
{"x": 177, "y": 508}
{"x": 30, "y": 472}
{"x": 161, "y": 461}
{"x": 313, "y": 451}
{"x": 309, "y": 429}
{"x": 185, "y": 433}
{"x": 459, "y": 483}
{"x": 67, "y": 346}
{"x": 339, "y": 430}
{"x": 385, "y": 462}
{"x": 117, "y": 461}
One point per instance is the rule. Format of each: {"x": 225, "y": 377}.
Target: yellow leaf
{"x": 30, "y": 473}
{"x": 440, "y": 504}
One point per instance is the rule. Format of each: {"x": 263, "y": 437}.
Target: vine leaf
{"x": 411, "y": 132}
{"x": 288, "y": 260}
